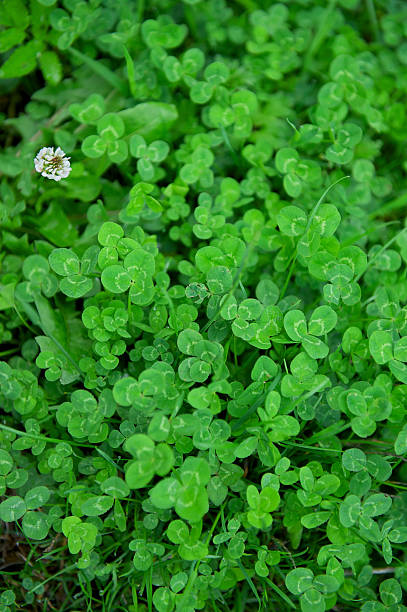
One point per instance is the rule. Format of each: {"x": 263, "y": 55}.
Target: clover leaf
{"x": 149, "y": 459}
{"x": 67, "y": 264}
{"x": 385, "y": 350}
{"x": 322, "y": 321}
{"x": 188, "y": 495}
{"x": 147, "y": 155}
{"x": 311, "y": 589}
{"x": 261, "y": 505}
{"x": 90, "y": 110}
{"x": 110, "y": 129}
{"x": 296, "y": 172}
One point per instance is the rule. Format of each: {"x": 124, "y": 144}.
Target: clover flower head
{"x": 52, "y": 164}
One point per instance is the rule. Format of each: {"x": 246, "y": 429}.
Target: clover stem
{"x": 22, "y": 319}
{"x": 257, "y": 403}
{"x": 40, "y": 437}
{"x": 356, "y": 237}
{"x": 226, "y": 348}
{"x": 290, "y": 271}
{"x": 226, "y": 139}
{"x": 149, "y": 589}
{"x": 129, "y": 306}
{"x": 311, "y": 217}
{"x": 67, "y": 355}
{"x": 195, "y": 565}
{"x": 399, "y": 202}
{"x": 248, "y": 250}
{"x": 229, "y": 145}
{"x": 371, "y": 261}
{"x": 292, "y": 125}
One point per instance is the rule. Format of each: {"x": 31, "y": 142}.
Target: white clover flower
{"x": 52, "y": 165}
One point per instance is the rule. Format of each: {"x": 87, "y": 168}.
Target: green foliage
{"x": 203, "y": 326}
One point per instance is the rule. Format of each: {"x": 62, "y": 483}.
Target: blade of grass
{"x": 131, "y": 74}
{"x": 396, "y": 204}
{"x": 281, "y": 594}
{"x": 382, "y": 250}
{"x": 250, "y": 582}
{"x": 322, "y": 32}
{"x": 312, "y": 215}
{"x": 102, "y": 70}
{"x": 371, "y": 11}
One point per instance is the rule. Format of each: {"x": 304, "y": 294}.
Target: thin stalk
{"x": 131, "y": 74}
{"x": 311, "y": 217}
{"x": 320, "y": 35}
{"x": 382, "y": 250}
{"x": 250, "y": 583}
{"x": 234, "y": 285}
{"x": 371, "y": 11}
{"x": 57, "y": 441}
{"x": 195, "y": 565}
{"x": 396, "y": 204}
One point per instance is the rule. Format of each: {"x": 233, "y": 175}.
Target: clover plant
{"x": 203, "y": 305}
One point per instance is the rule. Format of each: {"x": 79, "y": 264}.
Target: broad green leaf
{"x": 149, "y": 119}
{"x": 110, "y": 234}
{"x": 164, "y": 494}
{"x": 90, "y": 110}
{"x": 219, "y": 280}
{"x": 307, "y": 479}
{"x": 22, "y": 61}
{"x": 399, "y": 370}
{"x": 93, "y": 146}
{"x": 400, "y": 445}
{"x": 264, "y": 369}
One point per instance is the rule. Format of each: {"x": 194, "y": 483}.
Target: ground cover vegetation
{"x": 203, "y": 318}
